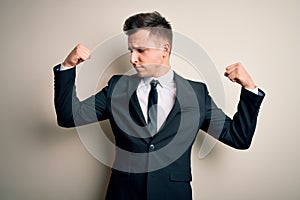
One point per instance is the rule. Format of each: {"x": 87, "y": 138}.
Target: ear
{"x": 166, "y": 49}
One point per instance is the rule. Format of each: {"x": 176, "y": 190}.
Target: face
{"x": 148, "y": 56}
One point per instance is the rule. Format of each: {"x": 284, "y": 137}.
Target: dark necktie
{"x": 152, "y": 108}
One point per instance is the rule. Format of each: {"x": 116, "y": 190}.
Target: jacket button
{"x": 152, "y": 147}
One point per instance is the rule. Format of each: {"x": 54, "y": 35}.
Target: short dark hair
{"x": 152, "y": 21}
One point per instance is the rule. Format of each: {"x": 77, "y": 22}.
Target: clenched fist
{"x": 79, "y": 54}
{"x": 237, "y": 73}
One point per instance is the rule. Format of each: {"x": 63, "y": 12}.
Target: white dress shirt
{"x": 166, "y": 90}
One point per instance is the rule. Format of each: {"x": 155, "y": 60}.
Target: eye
{"x": 140, "y": 50}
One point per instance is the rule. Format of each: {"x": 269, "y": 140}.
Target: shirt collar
{"x": 163, "y": 80}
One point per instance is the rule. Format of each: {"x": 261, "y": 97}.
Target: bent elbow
{"x": 243, "y": 146}
{"x": 65, "y": 124}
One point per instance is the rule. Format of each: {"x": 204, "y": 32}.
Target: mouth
{"x": 138, "y": 67}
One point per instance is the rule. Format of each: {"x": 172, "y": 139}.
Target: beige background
{"x": 39, "y": 160}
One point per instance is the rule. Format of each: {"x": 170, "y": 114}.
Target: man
{"x": 155, "y": 115}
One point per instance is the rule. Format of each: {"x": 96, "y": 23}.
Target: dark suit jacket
{"x": 155, "y": 167}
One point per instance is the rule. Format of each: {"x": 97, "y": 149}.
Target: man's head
{"x": 156, "y": 24}
{"x": 150, "y": 42}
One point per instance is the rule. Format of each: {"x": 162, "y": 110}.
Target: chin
{"x": 141, "y": 75}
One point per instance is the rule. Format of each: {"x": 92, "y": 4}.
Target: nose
{"x": 133, "y": 58}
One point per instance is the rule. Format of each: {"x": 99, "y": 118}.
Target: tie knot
{"x": 154, "y": 83}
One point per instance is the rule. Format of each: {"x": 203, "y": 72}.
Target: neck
{"x": 163, "y": 70}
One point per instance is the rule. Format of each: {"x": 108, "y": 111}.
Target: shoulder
{"x": 118, "y": 77}
{"x": 121, "y": 83}
{"x": 196, "y": 85}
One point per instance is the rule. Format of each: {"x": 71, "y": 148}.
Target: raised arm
{"x": 70, "y": 110}
{"x": 238, "y": 131}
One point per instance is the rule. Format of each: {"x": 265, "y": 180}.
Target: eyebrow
{"x": 138, "y": 48}
{"x": 130, "y": 48}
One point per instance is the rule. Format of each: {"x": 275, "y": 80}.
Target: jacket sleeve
{"x": 238, "y": 131}
{"x": 70, "y": 110}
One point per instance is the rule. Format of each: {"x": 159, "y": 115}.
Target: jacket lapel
{"x": 185, "y": 101}
{"x": 174, "y": 111}
{"x": 134, "y": 106}
{"x": 136, "y": 111}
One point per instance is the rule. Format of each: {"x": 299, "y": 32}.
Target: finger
{"x": 234, "y": 68}
{"x": 86, "y": 54}
{"x": 83, "y": 53}
{"x": 229, "y": 70}
{"x": 235, "y": 65}
{"x": 232, "y": 77}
